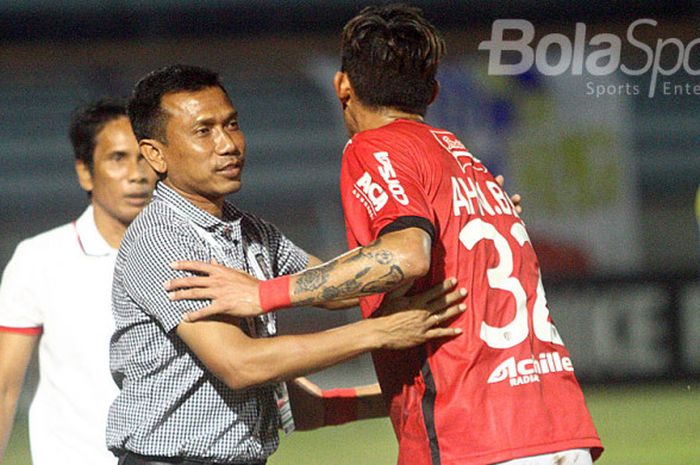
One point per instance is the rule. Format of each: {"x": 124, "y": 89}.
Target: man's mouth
{"x": 232, "y": 170}
{"x": 138, "y": 199}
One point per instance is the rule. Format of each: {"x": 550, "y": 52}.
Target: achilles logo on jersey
{"x": 370, "y": 194}
{"x": 389, "y": 175}
{"x": 529, "y": 370}
{"x": 457, "y": 149}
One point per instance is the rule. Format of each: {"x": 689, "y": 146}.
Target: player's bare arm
{"x": 336, "y": 304}
{"x": 392, "y": 260}
{"x": 389, "y": 262}
{"x": 16, "y": 350}
{"x": 241, "y": 361}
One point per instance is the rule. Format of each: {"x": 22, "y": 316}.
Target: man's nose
{"x": 138, "y": 169}
{"x": 226, "y": 144}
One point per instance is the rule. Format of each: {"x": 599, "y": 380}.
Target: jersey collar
{"x": 91, "y": 241}
{"x": 231, "y": 215}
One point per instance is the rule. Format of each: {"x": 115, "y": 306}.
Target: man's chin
{"x": 233, "y": 187}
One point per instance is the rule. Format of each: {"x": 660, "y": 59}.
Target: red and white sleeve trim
{"x": 33, "y": 331}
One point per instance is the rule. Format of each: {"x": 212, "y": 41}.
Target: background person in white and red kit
{"x": 56, "y": 292}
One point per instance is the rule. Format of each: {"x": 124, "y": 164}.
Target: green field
{"x": 647, "y": 425}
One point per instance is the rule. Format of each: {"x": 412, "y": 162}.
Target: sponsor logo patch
{"x": 529, "y": 370}
{"x": 457, "y": 149}
{"x": 370, "y": 194}
{"x": 389, "y": 175}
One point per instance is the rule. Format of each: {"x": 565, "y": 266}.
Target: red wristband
{"x": 274, "y": 294}
{"x": 340, "y": 406}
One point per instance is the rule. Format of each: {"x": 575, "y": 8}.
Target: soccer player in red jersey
{"x": 419, "y": 207}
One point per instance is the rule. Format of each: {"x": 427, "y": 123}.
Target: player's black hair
{"x": 391, "y": 55}
{"x": 87, "y": 121}
{"x": 147, "y": 117}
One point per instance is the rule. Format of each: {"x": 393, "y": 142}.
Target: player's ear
{"x": 343, "y": 88}
{"x": 84, "y": 175}
{"x": 152, "y": 151}
{"x": 436, "y": 91}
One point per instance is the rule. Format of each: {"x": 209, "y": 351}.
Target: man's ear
{"x": 152, "y": 151}
{"x": 84, "y": 175}
{"x": 343, "y": 88}
{"x": 436, "y": 91}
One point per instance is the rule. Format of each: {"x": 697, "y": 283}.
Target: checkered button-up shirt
{"x": 169, "y": 404}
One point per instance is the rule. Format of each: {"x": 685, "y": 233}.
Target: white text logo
{"x": 370, "y": 194}
{"x": 389, "y": 175}
{"x": 602, "y": 61}
{"x": 529, "y": 370}
{"x": 449, "y": 142}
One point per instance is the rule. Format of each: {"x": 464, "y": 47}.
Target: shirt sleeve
{"x": 20, "y": 300}
{"x": 147, "y": 268}
{"x": 382, "y": 190}
{"x": 287, "y": 257}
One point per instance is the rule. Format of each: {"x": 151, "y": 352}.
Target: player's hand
{"x": 231, "y": 292}
{"x": 515, "y": 198}
{"x": 410, "y": 321}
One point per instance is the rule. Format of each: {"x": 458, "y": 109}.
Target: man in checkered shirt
{"x": 205, "y": 392}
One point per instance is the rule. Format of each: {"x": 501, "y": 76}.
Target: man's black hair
{"x": 147, "y": 117}
{"x": 87, "y": 121}
{"x": 391, "y": 54}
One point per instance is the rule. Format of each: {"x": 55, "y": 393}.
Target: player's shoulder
{"x": 400, "y": 135}
{"x": 254, "y": 227}
{"x": 48, "y": 242}
{"x": 154, "y": 229}
{"x": 157, "y": 217}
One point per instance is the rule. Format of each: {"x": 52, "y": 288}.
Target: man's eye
{"x": 118, "y": 156}
{"x": 202, "y": 131}
{"x": 233, "y": 124}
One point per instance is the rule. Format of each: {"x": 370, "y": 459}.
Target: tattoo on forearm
{"x": 381, "y": 256}
{"x": 384, "y": 257}
{"x": 345, "y": 289}
{"x": 316, "y": 279}
{"x": 313, "y": 278}
{"x": 385, "y": 283}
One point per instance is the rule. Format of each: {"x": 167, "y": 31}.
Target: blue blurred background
{"x": 608, "y": 174}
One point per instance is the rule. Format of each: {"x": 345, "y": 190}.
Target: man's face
{"x": 205, "y": 147}
{"x": 121, "y": 180}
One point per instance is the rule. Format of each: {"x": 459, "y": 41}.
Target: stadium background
{"x": 609, "y": 182}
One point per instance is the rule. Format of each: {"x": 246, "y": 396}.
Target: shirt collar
{"x": 91, "y": 241}
{"x": 200, "y": 217}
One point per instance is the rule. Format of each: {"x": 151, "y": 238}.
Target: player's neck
{"x": 110, "y": 228}
{"x": 368, "y": 118}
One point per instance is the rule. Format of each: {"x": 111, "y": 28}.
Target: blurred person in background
{"x": 419, "y": 207}
{"x": 55, "y": 292}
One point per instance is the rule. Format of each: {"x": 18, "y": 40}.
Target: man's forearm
{"x": 392, "y": 260}
{"x": 395, "y": 259}
{"x": 16, "y": 350}
{"x": 242, "y": 362}
{"x": 8, "y": 407}
{"x": 287, "y": 357}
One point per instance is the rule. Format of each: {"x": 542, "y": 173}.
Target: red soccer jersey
{"x": 505, "y": 388}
